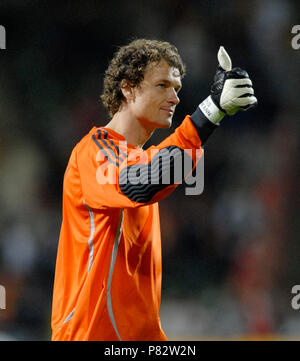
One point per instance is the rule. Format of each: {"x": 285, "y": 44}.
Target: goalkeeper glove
{"x": 231, "y": 91}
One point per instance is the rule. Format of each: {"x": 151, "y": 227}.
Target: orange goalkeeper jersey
{"x": 108, "y": 270}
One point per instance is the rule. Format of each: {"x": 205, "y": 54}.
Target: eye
{"x": 162, "y": 85}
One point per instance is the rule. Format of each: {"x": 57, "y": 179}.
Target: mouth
{"x": 168, "y": 110}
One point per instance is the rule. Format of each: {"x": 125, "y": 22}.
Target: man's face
{"x": 155, "y": 98}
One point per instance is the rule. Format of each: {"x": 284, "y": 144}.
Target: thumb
{"x": 224, "y": 59}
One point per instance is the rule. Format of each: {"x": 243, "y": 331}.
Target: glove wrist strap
{"x": 211, "y": 111}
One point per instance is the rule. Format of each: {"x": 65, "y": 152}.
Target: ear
{"x": 127, "y": 89}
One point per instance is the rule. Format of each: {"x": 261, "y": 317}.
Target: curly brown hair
{"x": 130, "y": 62}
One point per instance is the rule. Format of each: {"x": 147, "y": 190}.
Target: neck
{"x": 131, "y": 128}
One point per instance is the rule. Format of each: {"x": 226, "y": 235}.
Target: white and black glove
{"x": 231, "y": 91}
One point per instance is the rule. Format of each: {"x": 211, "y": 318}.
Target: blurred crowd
{"x": 230, "y": 255}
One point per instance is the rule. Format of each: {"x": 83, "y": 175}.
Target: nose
{"x": 173, "y": 97}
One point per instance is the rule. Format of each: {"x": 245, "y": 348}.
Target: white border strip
{"x": 69, "y": 317}
{"x": 111, "y": 270}
{"x": 91, "y": 248}
{"x": 90, "y": 240}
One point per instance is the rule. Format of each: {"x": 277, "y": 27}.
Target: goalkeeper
{"x": 108, "y": 270}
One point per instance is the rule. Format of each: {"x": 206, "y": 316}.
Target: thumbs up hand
{"x": 231, "y": 91}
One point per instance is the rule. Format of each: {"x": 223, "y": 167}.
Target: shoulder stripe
{"x": 105, "y": 152}
{"x": 109, "y": 149}
{"x": 124, "y": 155}
{"x": 111, "y": 145}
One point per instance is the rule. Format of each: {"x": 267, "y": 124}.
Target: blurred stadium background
{"x": 230, "y": 255}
